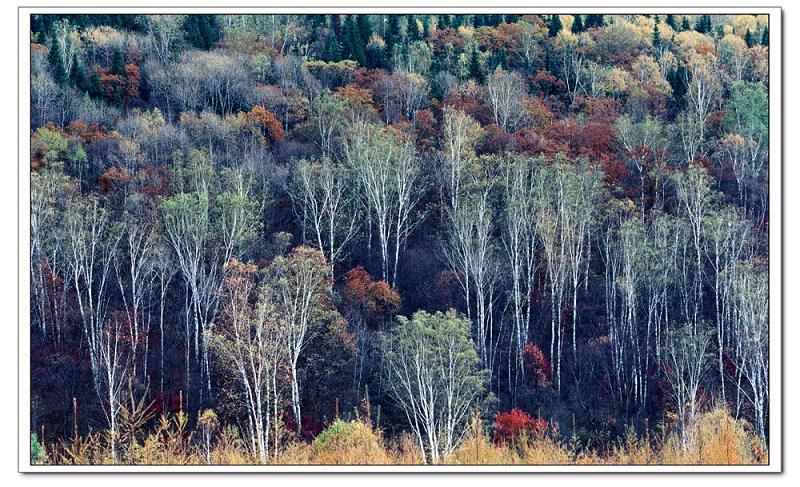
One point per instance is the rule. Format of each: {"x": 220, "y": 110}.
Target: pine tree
{"x": 677, "y": 80}
{"x": 202, "y": 31}
{"x": 656, "y": 37}
{"x": 334, "y": 50}
{"x": 117, "y": 96}
{"x": 78, "y": 74}
{"x": 594, "y": 21}
{"x": 765, "y": 37}
{"x": 364, "y": 29}
{"x": 748, "y": 38}
{"x": 392, "y": 34}
{"x": 426, "y": 26}
{"x": 577, "y": 25}
{"x": 703, "y": 24}
{"x": 412, "y": 30}
{"x": 336, "y": 25}
{"x": 56, "y": 59}
{"x": 475, "y": 70}
{"x": 555, "y": 25}
{"x": 499, "y": 59}
{"x": 95, "y": 88}
{"x": 118, "y": 63}
{"x": 671, "y": 22}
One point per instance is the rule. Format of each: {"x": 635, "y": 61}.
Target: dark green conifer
{"x": 577, "y": 25}
{"x": 748, "y": 38}
{"x": 555, "y": 26}
{"x": 56, "y": 59}
{"x": 670, "y": 21}
{"x": 475, "y": 69}
{"x": 118, "y": 63}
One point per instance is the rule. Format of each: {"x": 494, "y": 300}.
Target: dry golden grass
{"x": 719, "y": 440}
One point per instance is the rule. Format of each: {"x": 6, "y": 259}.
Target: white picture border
{"x": 466, "y": 7}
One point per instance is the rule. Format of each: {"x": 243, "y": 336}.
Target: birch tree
{"x": 433, "y": 374}
{"x": 326, "y": 208}
{"x": 251, "y": 340}
{"x": 685, "y": 368}
{"x": 388, "y": 174}
{"x": 299, "y": 286}
{"x": 504, "y": 93}
{"x": 520, "y": 244}
{"x": 92, "y": 239}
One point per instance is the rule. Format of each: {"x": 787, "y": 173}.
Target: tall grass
{"x": 719, "y": 440}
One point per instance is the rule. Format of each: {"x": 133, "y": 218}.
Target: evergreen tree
{"x": 78, "y": 74}
{"x": 202, "y": 31}
{"x": 336, "y": 25}
{"x": 56, "y": 59}
{"x": 95, "y": 89}
{"x": 748, "y": 38}
{"x": 426, "y": 26}
{"x": 499, "y": 59}
{"x": 117, "y": 96}
{"x": 677, "y": 79}
{"x": 555, "y": 26}
{"x": 364, "y": 29}
{"x": 118, "y": 63}
{"x": 685, "y": 23}
{"x": 656, "y": 37}
{"x": 353, "y": 47}
{"x": 594, "y": 21}
{"x": 703, "y": 24}
{"x": 392, "y": 34}
{"x": 670, "y": 21}
{"x": 512, "y": 18}
{"x": 765, "y": 37}
{"x": 375, "y": 56}
{"x": 577, "y": 25}
{"x": 412, "y": 29}
{"x": 475, "y": 70}
{"x": 334, "y": 50}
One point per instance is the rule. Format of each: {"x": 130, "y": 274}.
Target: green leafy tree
{"x": 432, "y": 372}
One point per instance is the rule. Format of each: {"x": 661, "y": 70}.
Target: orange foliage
{"x": 443, "y": 40}
{"x": 358, "y": 97}
{"x": 115, "y": 178}
{"x": 375, "y": 297}
{"x": 38, "y": 48}
{"x": 504, "y": 36}
{"x": 132, "y": 80}
{"x": 269, "y": 126}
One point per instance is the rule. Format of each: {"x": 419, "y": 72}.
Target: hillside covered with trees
{"x": 399, "y": 239}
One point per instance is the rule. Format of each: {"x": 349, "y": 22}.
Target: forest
{"x": 399, "y": 239}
